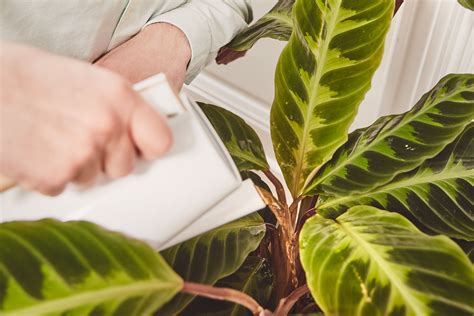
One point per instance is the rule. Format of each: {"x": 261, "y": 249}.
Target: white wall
{"x": 253, "y": 73}
{"x": 428, "y": 39}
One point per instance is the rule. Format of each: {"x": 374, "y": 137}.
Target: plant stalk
{"x": 295, "y": 209}
{"x": 278, "y": 209}
{"x": 280, "y": 190}
{"x": 224, "y": 294}
{"x": 288, "y": 302}
{"x": 287, "y": 241}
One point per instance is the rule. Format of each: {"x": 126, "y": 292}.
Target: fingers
{"x": 149, "y": 131}
{"x": 120, "y": 138}
{"x": 89, "y": 173}
{"x": 144, "y": 132}
{"x": 120, "y": 157}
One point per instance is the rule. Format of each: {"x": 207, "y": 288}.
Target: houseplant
{"x": 373, "y": 224}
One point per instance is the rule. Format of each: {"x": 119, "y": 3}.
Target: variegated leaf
{"x": 397, "y": 143}
{"x": 77, "y": 268}
{"x": 439, "y": 194}
{"x": 372, "y": 262}
{"x": 212, "y": 256}
{"x": 239, "y": 138}
{"x": 321, "y": 78}
{"x": 276, "y": 24}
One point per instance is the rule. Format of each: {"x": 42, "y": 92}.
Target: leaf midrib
{"x": 314, "y": 85}
{"x": 442, "y": 176}
{"x": 242, "y": 154}
{"x": 94, "y": 297}
{"x": 382, "y": 136}
{"x": 384, "y": 267}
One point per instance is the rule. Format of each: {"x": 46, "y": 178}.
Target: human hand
{"x": 159, "y": 47}
{"x": 65, "y": 121}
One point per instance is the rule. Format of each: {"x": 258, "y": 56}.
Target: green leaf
{"x": 276, "y": 24}
{"x": 77, "y": 268}
{"x": 253, "y": 278}
{"x": 212, "y": 256}
{"x": 468, "y": 4}
{"x": 373, "y": 262}
{"x": 321, "y": 78}
{"x": 397, "y": 143}
{"x": 438, "y": 194}
{"x": 240, "y": 139}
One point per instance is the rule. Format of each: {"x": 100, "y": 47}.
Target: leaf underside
{"x": 275, "y": 24}
{"x": 372, "y": 262}
{"x": 240, "y": 139}
{"x": 438, "y": 195}
{"x": 77, "y": 268}
{"x": 397, "y": 143}
{"x": 212, "y": 256}
{"x": 321, "y": 78}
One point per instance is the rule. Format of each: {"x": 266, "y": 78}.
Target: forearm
{"x": 159, "y": 47}
{"x": 208, "y": 25}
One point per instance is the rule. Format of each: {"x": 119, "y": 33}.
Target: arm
{"x": 180, "y": 42}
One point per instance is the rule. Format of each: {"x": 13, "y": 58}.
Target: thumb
{"x": 149, "y": 132}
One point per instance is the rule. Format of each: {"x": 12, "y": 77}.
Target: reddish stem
{"x": 224, "y": 294}
{"x": 309, "y": 213}
{"x": 287, "y": 303}
{"x": 398, "y": 3}
{"x": 280, "y": 190}
{"x": 294, "y": 204}
{"x": 270, "y": 238}
{"x": 294, "y": 209}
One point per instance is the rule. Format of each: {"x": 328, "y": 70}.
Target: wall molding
{"x": 212, "y": 89}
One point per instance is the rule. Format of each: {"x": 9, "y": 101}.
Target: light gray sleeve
{"x": 208, "y": 25}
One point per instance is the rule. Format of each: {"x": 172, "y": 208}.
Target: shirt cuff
{"x": 207, "y": 28}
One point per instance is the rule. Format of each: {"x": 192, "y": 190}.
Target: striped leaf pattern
{"x": 321, "y": 78}
{"x": 372, "y": 262}
{"x": 212, "y": 256}
{"x": 276, "y": 24}
{"x": 239, "y": 138}
{"x": 254, "y": 278}
{"x": 394, "y": 144}
{"x": 438, "y": 195}
{"x": 77, "y": 268}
